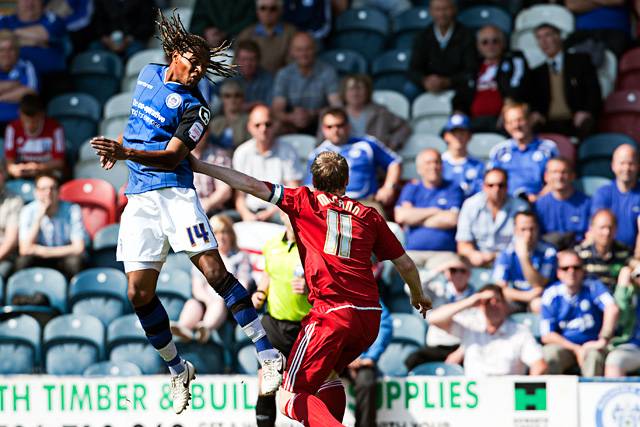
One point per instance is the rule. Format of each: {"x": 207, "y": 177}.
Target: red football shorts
{"x": 330, "y": 338}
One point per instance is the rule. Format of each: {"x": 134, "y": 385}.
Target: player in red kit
{"x": 336, "y": 237}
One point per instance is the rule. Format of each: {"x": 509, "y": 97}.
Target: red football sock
{"x": 310, "y": 411}
{"x": 332, "y": 394}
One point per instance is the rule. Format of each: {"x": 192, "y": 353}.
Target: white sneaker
{"x": 180, "y": 391}
{"x": 272, "y": 370}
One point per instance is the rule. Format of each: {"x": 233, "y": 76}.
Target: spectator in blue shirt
{"x": 524, "y": 156}
{"x": 578, "y": 319}
{"x": 51, "y": 232}
{"x": 457, "y": 166}
{"x": 18, "y": 78}
{"x": 563, "y": 213}
{"x": 622, "y": 195}
{"x": 365, "y": 156}
{"x": 429, "y": 209}
{"x": 363, "y": 372}
{"x": 526, "y": 266}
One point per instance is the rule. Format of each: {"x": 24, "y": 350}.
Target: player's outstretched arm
{"x": 407, "y": 269}
{"x": 167, "y": 159}
{"x": 235, "y": 179}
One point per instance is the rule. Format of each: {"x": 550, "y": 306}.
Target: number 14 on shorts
{"x": 198, "y": 231}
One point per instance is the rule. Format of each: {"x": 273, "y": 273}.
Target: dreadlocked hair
{"x": 175, "y": 38}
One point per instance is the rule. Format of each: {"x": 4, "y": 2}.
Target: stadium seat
{"x": 100, "y": 292}
{"x": 78, "y": 113}
{"x": 136, "y": 63}
{"x": 116, "y": 115}
{"x": 19, "y": 345}
{"x": 418, "y": 142}
{"x": 86, "y": 152}
{"x": 621, "y": 113}
{"x": 302, "y": 143}
{"x": 96, "y": 197}
{"x": 477, "y": 17}
{"x": 71, "y": 343}
{"x": 407, "y": 24}
{"x": 596, "y": 167}
{"x": 362, "y": 30}
{"x": 429, "y": 112}
{"x": 602, "y": 145}
{"x": 389, "y": 70}
{"x": 392, "y": 360}
{"x": 98, "y": 73}
{"x": 21, "y": 187}
{"x": 398, "y": 231}
{"x": 480, "y": 277}
{"x": 628, "y": 70}
{"x": 439, "y": 369}
{"x": 185, "y": 14}
{"x": 207, "y": 357}
{"x": 481, "y": 144}
{"x": 247, "y": 360}
{"x": 46, "y": 280}
{"x": 565, "y": 146}
{"x": 117, "y": 176}
{"x": 179, "y": 261}
{"x": 112, "y": 369}
{"x": 409, "y": 328}
{"x": 345, "y": 61}
{"x": 590, "y": 184}
{"x": 104, "y": 248}
{"x": 607, "y": 73}
{"x": 530, "y": 320}
{"x": 174, "y": 289}
{"x": 127, "y": 342}
{"x": 395, "y": 102}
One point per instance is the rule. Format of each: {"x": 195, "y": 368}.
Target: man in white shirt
{"x": 495, "y": 344}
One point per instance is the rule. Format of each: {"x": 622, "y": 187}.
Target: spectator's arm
{"x": 539, "y": 367}
{"x": 334, "y": 100}
{"x": 419, "y": 65}
{"x": 580, "y": 6}
{"x": 445, "y": 219}
{"x": 76, "y": 247}
{"x": 33, "y": 35}
{"x": 15, "y": 94}
{"x": 522, "y": 296}
{"x": 556, "y": 338}
{"x": 392, "y": 178}
{"x": 241, "y": 207}
{"x": 476, "y": 257}
{"x": 636, "y": 250}
{"x": 407, "y": 214}
{"x": 442, "y": 317}
{"x": 609, "y": 320}
{"x": 29, "y": 230}
{"x": 279, "y": 108}
{"x": 10, "y": 241}
{"x": 531, "y": 275}
{"x": 218, "y": 198}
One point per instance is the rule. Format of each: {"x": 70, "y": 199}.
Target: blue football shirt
{"x": 564, "y": 216}
{"x": 625, "y": 206}
{"x": 507, "y": 267}
{"x": 468, "y": 173}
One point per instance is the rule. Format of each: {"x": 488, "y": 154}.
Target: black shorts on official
{"x": 281, "y": 333}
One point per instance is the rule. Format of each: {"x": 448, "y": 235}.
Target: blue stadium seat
{"x": 178, "y": 261}
{"x": 207, "y": 357}
{"x": 345, "y": 61}
{"x": 408, "y": 24}
{"x": 440, "y": 369}
{"x": 409, "y": 328}
{"x": 174, "y": 289}
{"x": 392, "y": 360}
{"x": 389, "y": 70}
{"x": 46, "y": 280}
{"x": 480, "y": 277}
{"x": 590, "y": 184}
{"x": 97, "y": 73}
{"x": 362, "y": 30}
{"x": 602, "y": 145}
{"x": 100, "y": 292}
{"x": 79, "y": 114}
{"x": 596, "y": 167}
{"x": 112, "y": 369}
{"x": 104, "y": 248}
{"x": 530, "y": 320}
{"x": 21, "y": 187}
{"x": 19, "y": 345}
{"x": 127, "y": 342}
{"x": 71, "y": 343}
{"x": 247, "y": 360}
{"x": 477, "y": 17}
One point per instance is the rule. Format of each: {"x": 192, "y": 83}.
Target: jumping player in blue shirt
{"x": 168, "y": 118}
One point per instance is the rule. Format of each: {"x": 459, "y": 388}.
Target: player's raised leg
{"x": 155, "y": 322}
{"x": 238, "y": 301}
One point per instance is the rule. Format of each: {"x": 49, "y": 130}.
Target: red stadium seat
{"x": 121, "y": 201}
{"x": 96, "y": 197}
{"x": 629, "y": 70}
{"x": 621, "y": 113}
{"x": 565, "y": 146}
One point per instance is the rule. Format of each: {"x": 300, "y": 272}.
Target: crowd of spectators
{"x": 570, "y": 260}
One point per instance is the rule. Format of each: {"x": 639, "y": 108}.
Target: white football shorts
{"x": 156, "y": 220}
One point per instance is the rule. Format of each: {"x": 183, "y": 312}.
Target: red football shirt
{"x": 336, "y": 237}
{"x": 46, "y": 146}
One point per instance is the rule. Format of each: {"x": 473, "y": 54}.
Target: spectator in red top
{"x": 34, "y": 144}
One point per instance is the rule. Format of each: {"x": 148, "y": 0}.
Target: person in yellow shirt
{"x": 284, "y": 291}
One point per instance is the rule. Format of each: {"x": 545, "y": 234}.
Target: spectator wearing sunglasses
{"x": 229, "y": 129}
{"x": 578, "y": 319}
{"x": 271, "y": 34}
{"x": 266, "y": 158}
{"x": 525, "y": 267}
{"x": 500, "y": 75}
{"x": 485, "y": 223}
